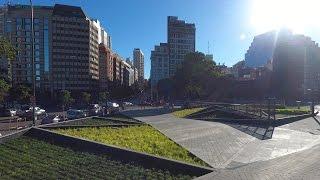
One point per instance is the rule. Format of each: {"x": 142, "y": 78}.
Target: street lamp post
{"x": 33, "y": 99}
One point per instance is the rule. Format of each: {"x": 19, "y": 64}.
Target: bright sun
{"x": 298, "y": 15}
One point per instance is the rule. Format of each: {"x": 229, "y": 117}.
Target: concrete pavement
{"x": 236, "y": 149}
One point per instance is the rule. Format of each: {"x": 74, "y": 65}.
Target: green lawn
{"x": 186, "y": 112}
{"x": 290, "y": 111}
{"x": 27, "y": 158}
{"x": 92, "y": 121}
{"x": 140, "y": 138}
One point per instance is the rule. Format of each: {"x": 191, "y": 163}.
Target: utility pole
{"x": 33, "y": 67}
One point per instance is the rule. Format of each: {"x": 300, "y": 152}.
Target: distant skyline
{"x": 228, "y": 26}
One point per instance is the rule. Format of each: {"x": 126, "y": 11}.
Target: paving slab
{"x": 225, "y": 146}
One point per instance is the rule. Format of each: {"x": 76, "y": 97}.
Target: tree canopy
{"x": 192, "y": 78}
{"x": 4, "y": 89}
{"x": 65, "y": 98}
{"x": 6, "y": 49}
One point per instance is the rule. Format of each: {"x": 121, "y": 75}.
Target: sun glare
{"x": 298, "y": 15}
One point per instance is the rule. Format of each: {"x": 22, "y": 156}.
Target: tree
{"x": 103, "y": 96}
{"x": 4, "y": 89}
{"x": 65, "y": 98}
{"x": 85, "y": 98}
{"x": 191, "y": 79}
{"x": 20, "y": 93}
{"x": 6, "y": 49}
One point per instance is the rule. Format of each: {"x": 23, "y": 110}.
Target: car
{"x": 37, "y": 111}
{"x": 8, "y": 112}
{"x": 112, "y": 107}
{"x": 51, "y": 119}
{"x": 76, "y": 113}
{"x": 127, "y": 104}
{"x": 95, "y": 109}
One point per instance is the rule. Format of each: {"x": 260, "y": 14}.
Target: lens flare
{"x": 298, "y": 15}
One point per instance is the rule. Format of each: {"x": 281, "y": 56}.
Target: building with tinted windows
{"x": 261, "y": 50}
{"x": 159, "y": 63}
{"x": 167, "y": 57}
{"x": 181, "y": 41}
{"x": 15, "y": 22}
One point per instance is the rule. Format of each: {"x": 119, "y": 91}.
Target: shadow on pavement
{"x": 261, "y": 132}
{"x": 316, "y": 120}
{"x": 140, "y": 112}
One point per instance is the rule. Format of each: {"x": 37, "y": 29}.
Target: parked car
{"x": 127, "y": 104}
{"x": 8, "y": 112}
{"x": 113, "y": 107}
{"x": 95, "y": 109}
{"x": 51, "y": 119}
{"x": 75, "y": 114}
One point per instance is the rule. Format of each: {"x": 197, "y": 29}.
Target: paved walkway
{"x": 300, "y": 165}
{"x": 226, "y": 146}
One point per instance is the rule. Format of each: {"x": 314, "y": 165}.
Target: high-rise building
{"x": 138, "y": 61}
{"x": 296, "y": 66}
{"x": 15, "y": 25}
{"x": 181, "y": 41}
{"x": 105, "y": 67}
{"x": 75, "y": 50}
{"x": 159, "y": 63}
{"x": 66, "y": 50}
{"x": 166, "y": 57}
{"x": 128, "y": 74}
{"x": 261, "y": 50}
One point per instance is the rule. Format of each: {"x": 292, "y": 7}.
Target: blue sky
{"x": 142, "y": 24}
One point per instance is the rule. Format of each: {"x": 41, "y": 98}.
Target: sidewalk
{"x": 223, "y": 146}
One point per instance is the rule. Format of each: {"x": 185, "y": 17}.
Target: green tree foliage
{"x": 4, "y": 89}
{"x": 192, "y": 78}
{"x": 103, "y": 97}
{"x": 65, "y": 98}
{"x": 20, "y": 93}
{"x": 85, "y": 98}
{"x": 6, "y": 49}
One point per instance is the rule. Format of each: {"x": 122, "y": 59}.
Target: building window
{"x": 8, "y": 28}
{"x": 46, "y": 48}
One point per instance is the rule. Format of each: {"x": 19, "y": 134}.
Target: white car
{"x": 127, "y": 104}
{"x": 37, "y": 110}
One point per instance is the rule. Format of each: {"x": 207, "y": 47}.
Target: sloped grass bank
{"x": 139, "y": 138}
{"x": 290, "y": 111}
{"x": 185, "y": 112}
{"x": 27, "y": 158}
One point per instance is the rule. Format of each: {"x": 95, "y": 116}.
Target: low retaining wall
{"x": 124, "y": 155}
{"x": 16, "y": 134}
{"x": 62, "y": 126}
{"x": 275, "y": 123}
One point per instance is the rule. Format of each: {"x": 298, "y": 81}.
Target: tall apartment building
{"x": 15, "y": 25}
{"x": 75, "y": 50}
{"x": 296, "y": 66}
{"x": 128, "y": 74}
{"x": 105, "y": 67}
{"x": 181, "y": 41}
{"x": 166, "y": 57}
{"x": 66, "y": 50}
{"x": 159, "y": 63}
{"x": 138, "y": 61}
{"x": 261, "y": 50}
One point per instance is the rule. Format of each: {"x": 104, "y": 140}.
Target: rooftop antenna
{"x": 208, "y": 48}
